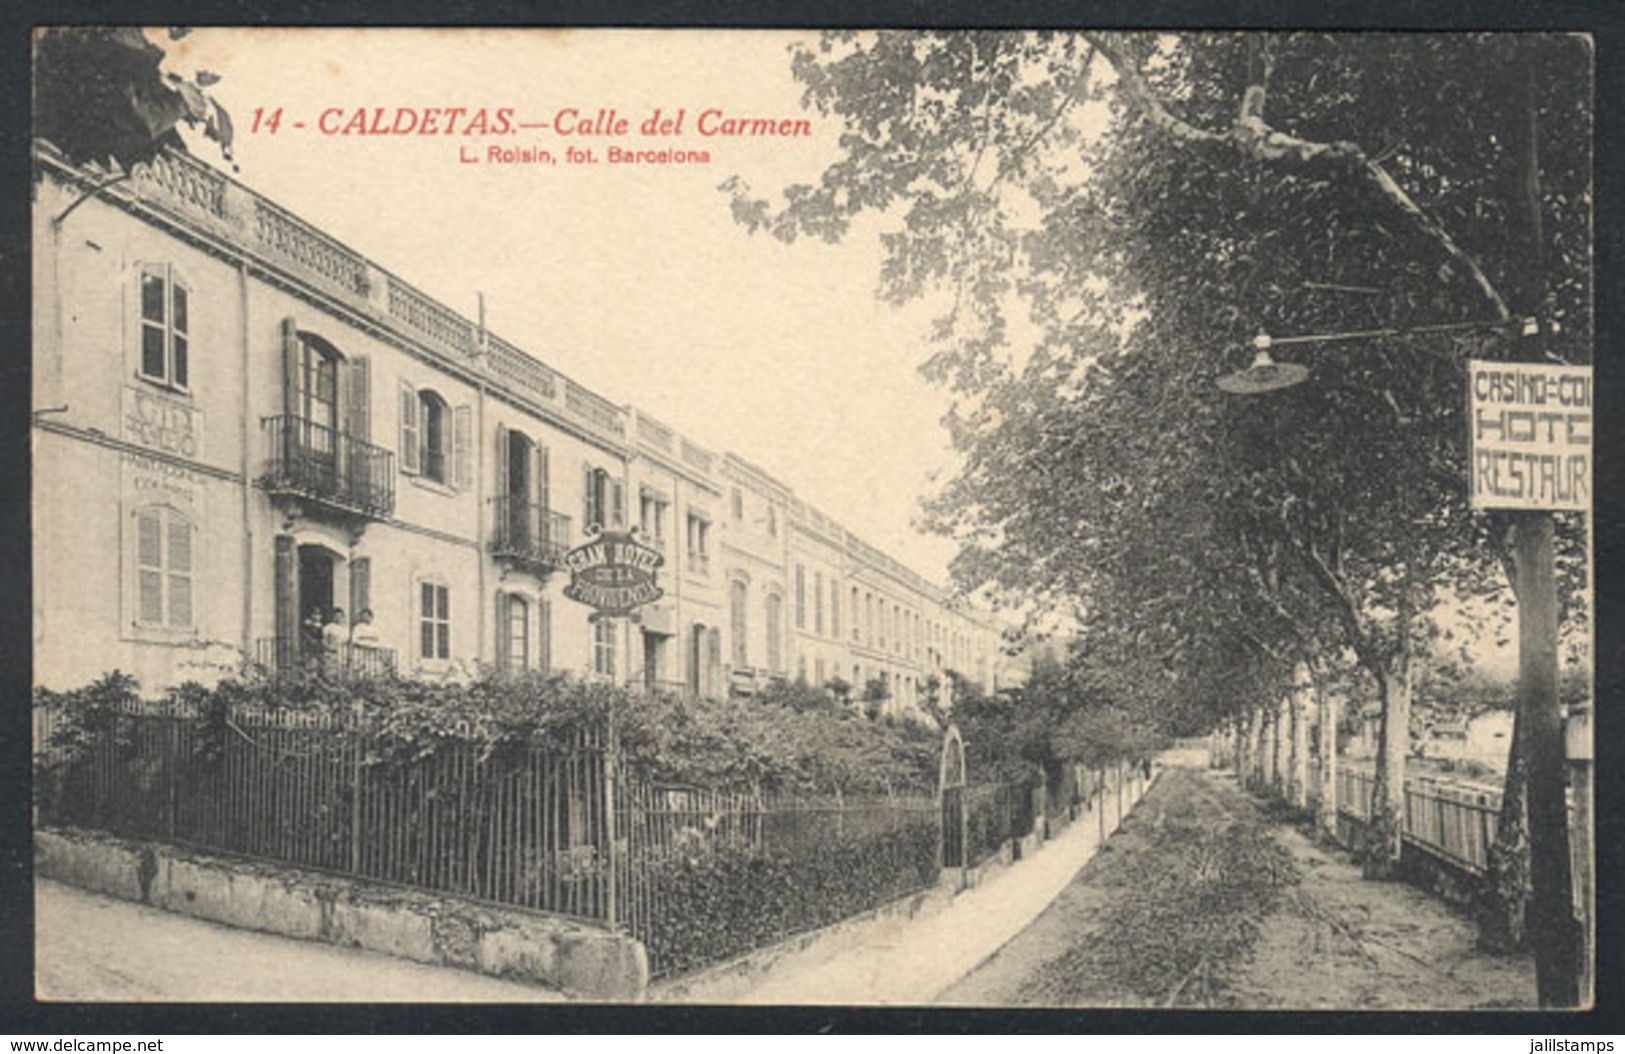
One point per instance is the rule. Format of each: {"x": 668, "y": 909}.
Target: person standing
{"x": 335, "y": 637}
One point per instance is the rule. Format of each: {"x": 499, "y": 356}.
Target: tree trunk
{"x": 1263, "y": 751}
{"x": 1554, "y": 934}
{"x": 1328, "y": 706}
{"x": 1297, "y": 783}
{"x": 1504, "y": 896}
{"x": 1278, "y": 755}
{"x": 1385, "y": 837}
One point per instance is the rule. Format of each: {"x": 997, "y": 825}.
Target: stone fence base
{"x": 436, "y": 929}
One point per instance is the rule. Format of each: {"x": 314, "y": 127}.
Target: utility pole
{"x": 1553, "y": 931}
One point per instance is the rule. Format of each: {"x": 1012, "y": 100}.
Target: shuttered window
{"x": 165, "y": 568}
{"x": 436, "y": 441}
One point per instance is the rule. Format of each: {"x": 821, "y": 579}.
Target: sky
{"x": 632, "y": 280}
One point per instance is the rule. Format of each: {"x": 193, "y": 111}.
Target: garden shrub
{"x": 718, "y": 902}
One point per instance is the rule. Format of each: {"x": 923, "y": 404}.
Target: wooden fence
{"x": 1452, "y": 820}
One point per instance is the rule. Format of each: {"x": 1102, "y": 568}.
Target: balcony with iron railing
{"x": 322, "y": 465}
{"x": 530, "y": 536}
{"x": 280, "y": 656}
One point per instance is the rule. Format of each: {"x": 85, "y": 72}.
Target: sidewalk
{"x": 911, "y": 961}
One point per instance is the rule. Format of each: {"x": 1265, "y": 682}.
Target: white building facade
{"x": 241, "y": 425}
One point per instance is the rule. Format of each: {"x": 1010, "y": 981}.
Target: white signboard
{"x": 1529, "y": 435}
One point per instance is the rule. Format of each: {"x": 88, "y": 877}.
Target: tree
{"x": 875, "y": 693}
{"x": 101, "y": 97}
{"x": 1303, "y": 183}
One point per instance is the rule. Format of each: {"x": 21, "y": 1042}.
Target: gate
{"x": 951, "y": 794}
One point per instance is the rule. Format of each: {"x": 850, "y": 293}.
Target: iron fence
{"x": 697, "y": 875}
{"x": 325, "y": 792}
{"x": 995, "y": 813}
{"x": 715, "y": 874}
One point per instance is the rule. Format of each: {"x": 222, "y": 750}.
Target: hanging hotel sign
{"x": 1529, "y": 435}
{"x": 613, "y": 573}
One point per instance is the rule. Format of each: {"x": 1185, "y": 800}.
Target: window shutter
{"x": 179, "y": 333}
{"x": 409, "y": 429}
{"x": 544, "y": 619}
{"x": 542, "y": 497}
{"x": 588, "y": 517}
{"x": 504, "y": 652}
{"x": 360, "y": 585}
{"x": 179, "y": 566}
{"x": 290, "y": 366}
{"x": 462, "y": 447}
{"x": 357, "y": 381}
{"x": 617, "y": 491}
{"x": 713, "y": 661}
{"x": 501, "y": 489}
{"x": 443, "y": 593}
{"x": 286, "y": 589}
{"x": 149, "y": 559}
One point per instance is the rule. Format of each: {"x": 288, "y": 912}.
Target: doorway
{"x": 653, "y": 653}
{"x": 316, "y": 574}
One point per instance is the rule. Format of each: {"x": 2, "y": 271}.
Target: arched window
{"x": 434, "y": 442}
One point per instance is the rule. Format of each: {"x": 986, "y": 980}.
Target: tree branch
{"x": 1253, "y": 138}
{"x": 1008, "y": 164}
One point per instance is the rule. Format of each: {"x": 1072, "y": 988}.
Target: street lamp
{"x": 1266, "y": 375}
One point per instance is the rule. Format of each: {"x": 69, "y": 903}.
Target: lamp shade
{"x": 1264, "y": 375}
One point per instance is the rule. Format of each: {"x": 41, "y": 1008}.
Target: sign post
{"x": 1529, "y": 430}
{"x": 614, "y": 574}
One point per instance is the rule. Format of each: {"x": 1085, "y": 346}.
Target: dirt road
{"x": 1201, "y": 901}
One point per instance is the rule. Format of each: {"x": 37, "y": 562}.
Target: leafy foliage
{"x": 737, "y": 898}
{"x": 100, "y": 96}
{"x": 1112, "y": 217}
{"x": 790, "y": 738}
